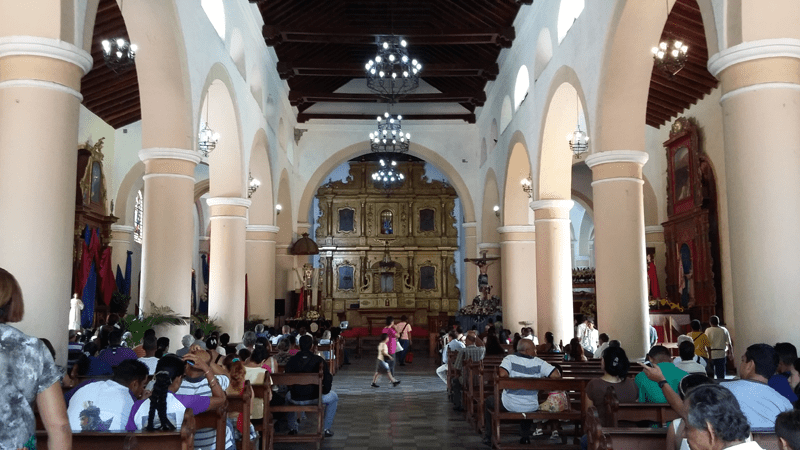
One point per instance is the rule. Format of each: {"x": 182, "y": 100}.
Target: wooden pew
{"x": 485, "y": 386}
{"x": 575, "y": 415}
{"x": 241, "y": 404}
{"x": 610, "y": 438}
{"x": 140, "y": 440}
{"x": 214, "y": 418}
{"x": 331, "y": 360}
{"x": 765, "y": 438}
{"x": 290, "y": 379}
{"x": 264, "y": 426}
{"x": 633, "y": 412}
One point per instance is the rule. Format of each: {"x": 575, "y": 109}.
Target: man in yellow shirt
{"x": 702, "y": 346}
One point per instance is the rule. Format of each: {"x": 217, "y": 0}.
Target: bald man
{"x": 522, "y": 364}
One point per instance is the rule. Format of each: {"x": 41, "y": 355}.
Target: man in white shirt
{"x": 603, "y": 339}
{"x": 453, "y": 345}
{"x": 105, "y": 405}
{"x": 149, "y": 345}
{"x": 686, "y": 361}
{"x": 715, "y": 421}
{"x": 588, "y": 335}
{"x": 684, "y": 338}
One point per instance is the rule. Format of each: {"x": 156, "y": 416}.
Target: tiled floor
{"x": 413, "y": 415}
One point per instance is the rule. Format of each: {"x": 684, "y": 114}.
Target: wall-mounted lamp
{"x": 527, "y": 186}
{"x": 253, "y": 185}
{"x": 278, "y": 208}
{"x": 496, "y": 210}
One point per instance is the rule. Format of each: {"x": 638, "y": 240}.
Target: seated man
{"x": 307, "y": 362}
{"x": 650, "y": 391}
{"x": 787, "y": 428}
{"x": 759, "y": 402}
{"x": 187, "y": 341}
{"x": 686, "y": 361}
{"x": 523, "y": 364}
{"x": 684, "y": 338}
{"x": 116, "y": 353}
{"x": 453, "y": 345}
{"x": 715, "y": 421}
{"x": 105, "y": 405}
{"x": 150, "y": 345}
{"x": 469, "y": 353}
{"x": 787, "y": 353}
{"x": 603, "y": 339}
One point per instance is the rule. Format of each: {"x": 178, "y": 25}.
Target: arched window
{"x": 568, "y": 13}
{"x": 215, "y": 11}
{"x": 138, "y": 217}
{"x": 521, "y": 86}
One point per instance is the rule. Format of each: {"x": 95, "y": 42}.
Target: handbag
{"x": 557, "y": 401}
{"x": 399, "y": 347}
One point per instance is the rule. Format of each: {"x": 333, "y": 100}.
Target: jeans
{"x": 441, "y": 371}
{"x": 330, "y": 400}
{"x": 720, "y": 367}
{"x": 401, "y": 356}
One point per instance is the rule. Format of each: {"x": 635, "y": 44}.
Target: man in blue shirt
{"x": 786, "y": 353}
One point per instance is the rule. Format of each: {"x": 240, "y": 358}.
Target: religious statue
{"x": 652, "y": 278}
{"x": 367, "y": 285}
{"x": 75, "y": 308}
{"x": 407, "y": 281}
{"x": 483, "y": 264}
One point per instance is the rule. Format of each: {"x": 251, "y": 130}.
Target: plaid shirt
{"x": 471, "y": 352}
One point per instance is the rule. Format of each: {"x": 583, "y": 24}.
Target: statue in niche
{"x": 407, "y": 282}
{"x": 387, "y": 225}
{"x": 367, "y": 286}
{"x": 75, "y": 308}
{"x": 483, "y": 264}
{"x": 685, "y": 273}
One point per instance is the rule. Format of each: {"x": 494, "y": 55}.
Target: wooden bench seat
{"x": 241, "y": 404}
{"x": 576, "y": 414}
{"x": 182, "y": 439}
{"x": 608, "y": 438}
{"x": 291, "y": 379}
{"x": 617, "y": 412}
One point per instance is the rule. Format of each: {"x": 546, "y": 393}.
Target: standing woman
{"x": 29, "y": 373}
{"x": 403, "y": 329}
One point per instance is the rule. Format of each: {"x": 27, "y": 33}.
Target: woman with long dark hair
{"x": 575, "y": 352}
{"x": 549, "y": 345}
{"x": 615, "y": 364}
{"x": 164, "y": 410}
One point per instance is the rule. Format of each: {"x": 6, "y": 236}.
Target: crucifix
{"x": 483, "y": 264}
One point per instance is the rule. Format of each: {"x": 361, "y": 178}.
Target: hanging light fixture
{"x": 671, "y": 54}
{"x": 387, "y": 176}
{"x": 392, "y": 73}
{"x": 207, "y": 138}
{"x": 578, "y": 140}
{"x": 389, "y": 137}
{"x": 252, "y": 185}
{"x": 119, "y": 54}
{"x": 527, "y": 186}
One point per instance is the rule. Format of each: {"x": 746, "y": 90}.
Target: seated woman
{"x": 164, "y": 410}
{"x": 493, "y": 346}
{"x": 615, "y": 364}
{"x": 283, "y": 355}
{"x": 549, "y": 345}
{"x": 575, "y": 352}
{"x": 326, "y": 340}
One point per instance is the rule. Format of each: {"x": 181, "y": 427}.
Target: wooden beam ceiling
{"x": 670, "y": 96}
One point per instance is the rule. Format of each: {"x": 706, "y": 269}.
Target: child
{"x": 381, "y": 366}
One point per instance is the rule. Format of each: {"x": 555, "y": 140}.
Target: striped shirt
{"x": 468, "y": 353}
{"x": 523, "y": 366}
{"x": 205, "y": 438}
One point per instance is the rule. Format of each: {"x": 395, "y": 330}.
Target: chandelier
{"x": 252, "y": 185}
{"x": 389, "y": 138}
{"x": 207, "y": 138}
{"x": 670, "y": 56}
{"x": 387, "y": 176}
{"x": 118, "y": 54}
{"x": 578, "y": 140}
{"x": 392, "y": 73}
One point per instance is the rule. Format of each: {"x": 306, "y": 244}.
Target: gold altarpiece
{"x": 387, "y": 252}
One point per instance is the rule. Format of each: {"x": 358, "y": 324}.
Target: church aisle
{"x": 413, "y": 415}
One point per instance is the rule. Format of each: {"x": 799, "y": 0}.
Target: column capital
{"x": 752, "y": 50}
{"x": 264, "y": 228}
{"x": 516, "y": 229}
{"x": 650, "y": 229}
{"x": 617, "y": 157}
{"x": 559, "y": 205}
{"x": 147, "y": 154}
{"x": 469, "y": 224}
{"x": 47, "y": 47}
{"x": 121, "y": 228}
{"x": 228, "y": 207}
{"x": 488, "y": 245}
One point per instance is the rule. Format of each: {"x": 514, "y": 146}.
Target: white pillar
{"x": 553, "y": 268}
{"x": 227, "y": 267}
{"x": 621, "y": 274}
{"x": 761, "y": 111}
{"x": 39, "y": 105}
{"x": 167, "y": 240}
{"x": 121, "y": 237}
{"x": 518, "y": 255}
{"x": 261, "y": 271}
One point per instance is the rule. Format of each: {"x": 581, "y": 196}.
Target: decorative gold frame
{"x": 96, "y": 156}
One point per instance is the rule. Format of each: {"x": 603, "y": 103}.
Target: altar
{"x": 673, "y": 324}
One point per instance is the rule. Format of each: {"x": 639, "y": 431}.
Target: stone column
{"x": 470, "y": 271}
{"x": 553, "y": 268}
{"x": 761, "y": 109}
{"x": 121, "y": 238}
{"x": 260, "y": 265}
{"x": 167, "y": 240}
{"x": 621, "y": 273}
{"x": 518, "y": 254}
{"x": 226, "y": 278}
{"x": 40, "y": 82}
